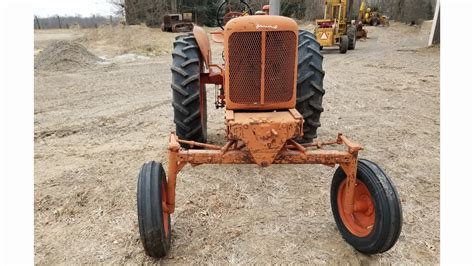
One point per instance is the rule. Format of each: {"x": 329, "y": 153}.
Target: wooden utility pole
{"x": 37, "y": 23}
{"x": 174, "y": 6}
{"x": 435, "y": 28}
{"x": 275, "y": 7}
{"x": 59, "y": 22}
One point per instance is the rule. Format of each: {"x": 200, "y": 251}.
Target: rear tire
{"x": 309, "y": 91}
{"x": 189, "y": 97}
{"x": 344, "y": 45}
{"x": 154, "y": 224}
{"x": 377, "y": 228}
{"x": 351, "y": 34}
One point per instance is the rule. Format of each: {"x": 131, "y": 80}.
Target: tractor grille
{"x": 245, "y": 67}
{"x": 279, "y": 66}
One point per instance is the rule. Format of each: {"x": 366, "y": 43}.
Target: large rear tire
{"x": 351, "y": 34}
{"x": 309, "y": 91}
{"x": 374, "y": 227}
{"x": 153, "y": 222}
{"x": 189, "y": 97}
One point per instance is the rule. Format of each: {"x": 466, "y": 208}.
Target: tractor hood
{"x": 260, "y": 23}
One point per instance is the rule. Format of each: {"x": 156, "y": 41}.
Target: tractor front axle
{"x": 236, "y": 152}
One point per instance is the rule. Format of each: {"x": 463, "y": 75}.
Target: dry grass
{"x": 128, "y": 39}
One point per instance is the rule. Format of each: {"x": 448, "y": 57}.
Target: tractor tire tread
{"x": 309, "y": 92}
{"x": 149, "y": 210}
{"x": 186, "y": 90}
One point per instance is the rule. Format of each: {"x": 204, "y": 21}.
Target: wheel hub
{"x": 362, "y": 219}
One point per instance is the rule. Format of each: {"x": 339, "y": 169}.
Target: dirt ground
{"x": 95, "y": 127}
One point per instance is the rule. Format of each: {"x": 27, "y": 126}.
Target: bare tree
{"x": 118, "y": 7}
{"x": 37, "y": 23}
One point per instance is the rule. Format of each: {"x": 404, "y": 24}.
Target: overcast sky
{"x": 44, "y": 8}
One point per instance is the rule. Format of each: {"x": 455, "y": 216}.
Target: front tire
{"x": 153, "y": 222}
{"x": 189, "y": 96}
{"x": 344, "y": 45}
{"x": 309, "y": 90}
{"x": 376, "y": 224}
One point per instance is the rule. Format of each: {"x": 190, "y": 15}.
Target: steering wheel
{"x": 241, "y": 9}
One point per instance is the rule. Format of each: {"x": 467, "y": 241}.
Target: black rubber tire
{"x": 388, "y": 210}
{"x": 309, "y": 90}
{"x": 351, "y": 34}
{"x": 191, "y": 123}
{"x": 344, "y": 45}
{"x": 150, "y": 212}
{"x": 374, "y": 21}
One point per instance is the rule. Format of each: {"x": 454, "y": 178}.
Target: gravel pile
{"x": 65, "y": 55}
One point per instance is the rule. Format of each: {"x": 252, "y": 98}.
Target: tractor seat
{"x": 326, "y": 24}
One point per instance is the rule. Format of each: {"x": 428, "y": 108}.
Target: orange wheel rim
{"x": 165, "y": 213}
{"x": 361, "y": 221}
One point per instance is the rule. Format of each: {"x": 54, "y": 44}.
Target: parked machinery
{"x": 371, "y": 16}
{"x": 335, "y": 29}
{"x": 177, "y": 22}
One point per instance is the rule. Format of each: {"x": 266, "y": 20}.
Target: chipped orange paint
{"x": 238, "y": 151}
{"x": 203, "y": 42}
{"x": 264, "y": 133}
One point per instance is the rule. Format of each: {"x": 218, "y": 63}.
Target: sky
{"x": 44, "y": 8}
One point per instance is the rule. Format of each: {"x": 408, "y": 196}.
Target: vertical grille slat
{"x": 279, "y": 66}
{"x": 245, "y": 66}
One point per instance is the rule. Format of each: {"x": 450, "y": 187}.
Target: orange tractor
{"x": 271, "y": 86}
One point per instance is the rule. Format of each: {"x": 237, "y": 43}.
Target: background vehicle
{"x": 178, "y": 22}
{"x": 335, "y": 29}
{"x": 371, "y": 16}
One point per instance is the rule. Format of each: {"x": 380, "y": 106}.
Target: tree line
{"x": 66, "y": 22}
{"x": 151, "y": 12}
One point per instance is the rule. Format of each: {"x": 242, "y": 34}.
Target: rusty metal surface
{"x": 245, "y": 50}
{"x": 279, "y": 60}
{"x": 236, "y": 152}
{"x": 326, "y": 157}
{"x": 203, "y": 43}
{"x": 261, "y": 74}
{"x": 264, "y": 133}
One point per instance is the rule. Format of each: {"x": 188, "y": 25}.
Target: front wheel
{"x": 344, "y": 45}
{"x": 153, "y": 221}
{"x": 376, "y": 222}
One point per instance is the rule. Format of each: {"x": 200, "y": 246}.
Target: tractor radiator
{"x": 261, "y": 67}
